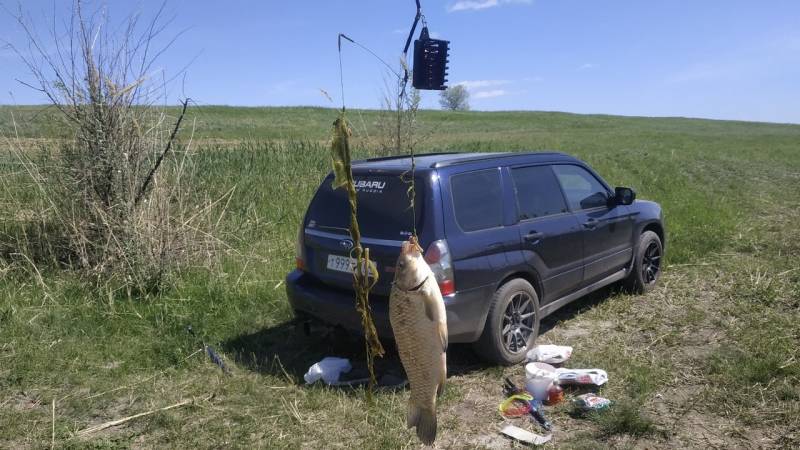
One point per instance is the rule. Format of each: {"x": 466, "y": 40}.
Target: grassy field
{"x": 708, "y": 359}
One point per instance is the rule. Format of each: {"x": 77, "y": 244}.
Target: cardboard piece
{"x": 525, "y": 436}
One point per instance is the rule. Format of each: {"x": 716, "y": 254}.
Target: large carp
{"x": 419, "y": 323}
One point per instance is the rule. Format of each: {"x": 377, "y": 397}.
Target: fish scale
{"x": 419, "y": 346}
{"x": 410, "y": 344}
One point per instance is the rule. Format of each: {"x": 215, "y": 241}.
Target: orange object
{"x": 555, "y": 395}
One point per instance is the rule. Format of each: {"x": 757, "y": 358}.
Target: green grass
{"x": 710, "y": 332}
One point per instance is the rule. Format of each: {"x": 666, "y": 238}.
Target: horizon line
{"x": 482, "y": 111}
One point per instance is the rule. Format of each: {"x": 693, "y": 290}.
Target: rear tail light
{"x": 438, "y": 258}
{"x": 299, "y": 250}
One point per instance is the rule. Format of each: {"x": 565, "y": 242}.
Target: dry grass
{"x": 111, "y": 198}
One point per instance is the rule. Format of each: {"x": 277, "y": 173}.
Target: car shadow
{"x": 287, "y": 351}
{"x": 577, "y": 307}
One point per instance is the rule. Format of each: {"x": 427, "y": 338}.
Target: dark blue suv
{"x": 511, "y": 237}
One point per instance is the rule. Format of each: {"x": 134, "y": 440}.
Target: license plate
{"x": 343, "y": 264}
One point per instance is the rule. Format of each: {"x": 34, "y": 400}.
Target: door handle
{"x": 534, "y": 237}
{"x": 591, "y": 223}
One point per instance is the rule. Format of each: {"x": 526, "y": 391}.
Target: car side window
{"x": 582, "y": 189}
{"x": 537, "y": 192}
{"x": 478, "y": 199}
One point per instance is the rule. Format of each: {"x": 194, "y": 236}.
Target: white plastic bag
{"x": 550, "y": 354}
{"x": 328, "y": 369}
{"x": 597, "y": 377}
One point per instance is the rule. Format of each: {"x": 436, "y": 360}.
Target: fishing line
{"x": 365, "y": 275}
{"x": 401, "y": 101}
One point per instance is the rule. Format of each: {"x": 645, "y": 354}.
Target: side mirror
{"x": 624, "y": 196}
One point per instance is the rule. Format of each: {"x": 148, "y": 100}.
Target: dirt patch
{"x": 679, "y": 330}
{"x": 23, "y": 402}
{"x": 574, "y": 330}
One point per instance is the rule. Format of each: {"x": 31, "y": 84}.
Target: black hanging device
{"x": 430, "y": 58}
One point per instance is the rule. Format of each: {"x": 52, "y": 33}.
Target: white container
{"x": 538, "y": 378}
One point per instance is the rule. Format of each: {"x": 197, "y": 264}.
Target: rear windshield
{"x": 384, "y": 210}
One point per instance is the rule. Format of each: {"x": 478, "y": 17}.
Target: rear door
{"x": 476, "y": 228}
{"x": 549, "y": 235}
{"x": 607, "y": 230}
{"x": 385, "y": 220}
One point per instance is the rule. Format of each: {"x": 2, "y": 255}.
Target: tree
{"x": 455, "y": 98}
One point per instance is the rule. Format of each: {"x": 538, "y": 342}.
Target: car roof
{"x": 448, "y": 159}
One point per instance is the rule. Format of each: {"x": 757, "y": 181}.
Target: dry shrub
{"x": 397, "y": 120}
{"x": 112, "y": 200}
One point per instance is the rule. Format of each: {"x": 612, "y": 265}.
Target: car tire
{"x": 646, "y": 265}
{"x": 510, "y": 331}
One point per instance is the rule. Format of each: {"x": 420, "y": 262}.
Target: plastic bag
{"x": 328, "y": 370}
{"x": 550, "y": 354}
{"x": 597, "y": 377}
{"x": 591, "y": 402}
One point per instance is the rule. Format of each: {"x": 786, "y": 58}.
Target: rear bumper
{"x": 466, "y": 311}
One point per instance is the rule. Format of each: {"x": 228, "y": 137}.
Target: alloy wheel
{"x": 518, "y": 322}
{"x": 651, "y": 263}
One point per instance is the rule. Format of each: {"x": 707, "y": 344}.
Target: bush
{"x": 111, "y": 200}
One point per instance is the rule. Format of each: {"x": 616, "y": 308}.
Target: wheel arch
{"x": 656, "y": 228}
{"x": 530, "y": 277}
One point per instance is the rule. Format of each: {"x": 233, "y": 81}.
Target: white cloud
{"x": 587, "y": 66}
{"x": 477, "y": 5}
{"x": 489, "y": 94}
{"x": 478, "y": 84}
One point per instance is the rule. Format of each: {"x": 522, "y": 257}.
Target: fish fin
{"x": 412, "y": 418}
{"x": 430, "y": 309}
{"x": 426, "y": 426}
{"x": 442, "y": 328}
{"x": 440, "y": 388}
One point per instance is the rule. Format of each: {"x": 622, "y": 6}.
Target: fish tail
{"x": 425, "y": 421}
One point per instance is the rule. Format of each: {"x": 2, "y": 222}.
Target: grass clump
{"x": 754, "y": 373}
{"x": 623, "y": 418}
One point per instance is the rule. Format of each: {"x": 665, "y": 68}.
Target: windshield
{"x": 383, "y": 207}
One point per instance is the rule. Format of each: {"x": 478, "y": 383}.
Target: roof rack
{"x": 389, "y": 158}
{"x": 456, "y": 162}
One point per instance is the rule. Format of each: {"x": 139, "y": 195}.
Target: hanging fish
{"x": 419, "y": 323}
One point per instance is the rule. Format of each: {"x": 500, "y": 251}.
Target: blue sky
{"x": 715, "y": 59}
